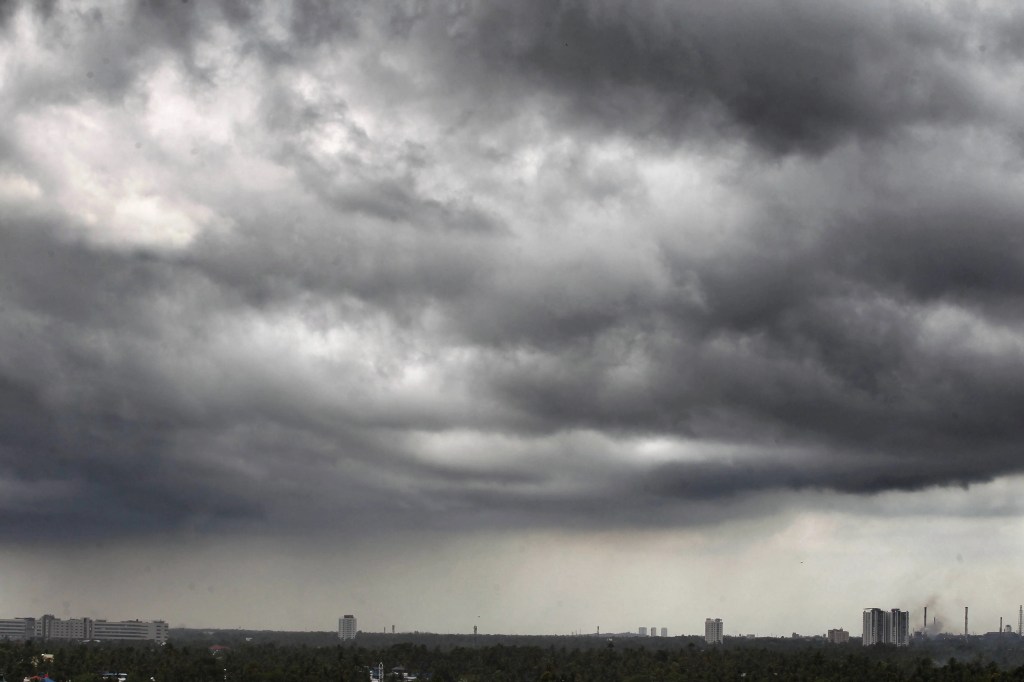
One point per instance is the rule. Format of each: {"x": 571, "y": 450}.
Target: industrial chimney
{"x": 925, "y": 625}
{"x": 965, "y": 621}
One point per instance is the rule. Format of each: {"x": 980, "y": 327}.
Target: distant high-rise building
{"x": 838, "y": 636}
{"x": 873, "y": 627}
{"x": 643, "y": 632}
{"x": 654, "y": 631}
{"x": 664, "y": 632}
{"x": 347, "y": 627}
{"x": 713, "y": 630}
{"x": 899, "y": 627}
{"x": 886, "y": 627}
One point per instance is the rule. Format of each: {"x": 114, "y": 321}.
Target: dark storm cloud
{"x": 448, "y": 256}
{"x": 794, "y": 76}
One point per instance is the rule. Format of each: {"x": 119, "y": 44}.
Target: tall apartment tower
{"x": 654, "y": 631}
{"x": 347, "y": 627}
{"x": 643, "y": 631}
{"x": 886, "y": 627}
{"x": 874, "y": 627}
{"x": 664, "y": 632}
{"x": 899, "y": 627}
{"x": 713, "y": 630}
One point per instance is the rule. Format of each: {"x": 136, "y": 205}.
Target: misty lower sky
{"x": 535, "y": 316}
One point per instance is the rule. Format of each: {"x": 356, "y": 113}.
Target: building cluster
{"x": 347, "y": 627}
{"x": 643, "y": 632}
{"x": 50, "y": 627}
{"x": 886, "y": 627}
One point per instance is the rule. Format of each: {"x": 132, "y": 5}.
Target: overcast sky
{"x": 535, "y": 315}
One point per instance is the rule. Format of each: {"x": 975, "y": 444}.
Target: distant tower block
{"x": 874, "y": 627}
{"x": 664, "y": 632}
{"x": 347, "y": 627}
{"x": 713, "y": 630}
{"x": 643, "y": 631}
{"x": 654, "y": 631}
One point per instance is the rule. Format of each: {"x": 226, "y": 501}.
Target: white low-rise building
{"x": 50, "y": 627}
{"x": 17, "y": 629}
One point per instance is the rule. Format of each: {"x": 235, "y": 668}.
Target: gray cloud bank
{"x": 464, "y": 265}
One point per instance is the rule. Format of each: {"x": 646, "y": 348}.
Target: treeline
{"x": 74, "y": 662}
{"x": 273, "y": 662}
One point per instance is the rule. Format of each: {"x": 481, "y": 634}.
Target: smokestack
{"x": 965, "y": 621}
{"x": 925, "y": 626}
{"x": 1000, "y": 623}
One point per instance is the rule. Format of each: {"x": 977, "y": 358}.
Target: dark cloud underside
{"x": 263, "y": 265}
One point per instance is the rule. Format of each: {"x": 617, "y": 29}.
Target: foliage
{"x": 590, "y": 661}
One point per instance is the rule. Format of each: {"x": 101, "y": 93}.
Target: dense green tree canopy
{"x": 592, "y": 660}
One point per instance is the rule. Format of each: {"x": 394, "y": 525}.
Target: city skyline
{"x": 892, "y": 626}
{"x": 521, "y": 316}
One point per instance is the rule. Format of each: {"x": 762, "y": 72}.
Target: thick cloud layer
{"x": 328, "y": 266}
